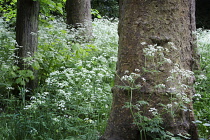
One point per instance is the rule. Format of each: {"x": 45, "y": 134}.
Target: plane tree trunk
{"x": 154, "y": 78}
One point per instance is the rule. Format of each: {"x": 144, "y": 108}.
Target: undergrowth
{"x": 75, "y": 79}
{"x": 73, "y": 99}
{"x": 202, "y": 96}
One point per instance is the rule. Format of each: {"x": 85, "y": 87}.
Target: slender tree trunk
{"x": 26, "y": 34}
{"x": 157, "y": 23}
{"x": 196, "y": 57}
{"x": 79, "y": 15}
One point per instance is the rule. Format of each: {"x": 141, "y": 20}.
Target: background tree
{"x": 150, "y": 86}
{"x": 26, "y": 34}
{"x": 79, "y": 13}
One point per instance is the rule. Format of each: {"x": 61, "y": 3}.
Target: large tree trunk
{"x": 26, "y": 34}
{"x": 79, "y": 15}
{"x": 154, "y": 22}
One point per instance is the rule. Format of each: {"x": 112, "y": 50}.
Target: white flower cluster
{"x": 157, "y": 53}
{"x": 160, "y": 86}
{"x": 202, "y": 77}
{"x": 182, "y": 74}
{"x": 197, "y": 96}
{"x": 61, "y": 105}
{"x": 87, "y": 120}
{"x": 150, "y": 50}
{"x": 132, "y": 77}
{"x": 172, "y": 45}
{"x": 85, "y": 84}
{"x": 154, "y": 111}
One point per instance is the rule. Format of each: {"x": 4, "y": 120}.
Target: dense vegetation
{"x": 74, "y": 96}
{"x": 202, "y": 96}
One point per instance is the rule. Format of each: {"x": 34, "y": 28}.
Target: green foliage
{"x": 75, "y": 78}
{"x": 95, "y": 13}
{"x": 7, "y": 58}
{"x": 52, "y": 6}
{"x": 151, "y": 126}
{"x": 202, "y": 96}
{"x": 7, "y": 8}
{"x": 23, "y": 77}
{"x": 107, "y": 8}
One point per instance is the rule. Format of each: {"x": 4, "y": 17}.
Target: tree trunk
{"x": 79, "y": 15}
{"x": 26, "y": 34}
{"x": 149, "y": 24}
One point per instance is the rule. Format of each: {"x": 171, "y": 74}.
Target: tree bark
{"x": 27, "y": 34}
{"x": 79, "y": 15}
{"x": 154, "y": 22}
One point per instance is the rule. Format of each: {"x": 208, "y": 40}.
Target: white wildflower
{"x": 160, "y": 86}
{"x": 33, "y": 98}
{"x": 143, "y": 79}
{"x": 185, "y": 99}
{"x": 197, "y": 121}
{"x": 167, "y": 60}
{"x": 202, "y": 77}
{"x": 143, "y": 43}
{"x": 172, "y": 45}
{"x": 172, "y": 90}
{"x": 134, "y": 75}
{"x": 169, "y": 105}
{"x": 159, "y": 48}
{"x": 55, "y": 119}
{"x": 137, "y": 70}
{"x": 153, "y": 111}
{"x": 126, "y": 71}
{"x": 206, "y": 124}
{"x": 197, "y": 95}
{"x": 150, "y": 51}
{"x": 10, "y": 88}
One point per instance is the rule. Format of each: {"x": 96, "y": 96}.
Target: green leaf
{"x": 13, "y": 74}
{"x": 20, "y": 81}
{"x": 52, "y": 6}
{"x": 36, "y": 65}
{"x": 59, "y": 7}
{"x": 99, "y": 16}
{"x": 79, "y": 67}
{"x": 63, "y": 31}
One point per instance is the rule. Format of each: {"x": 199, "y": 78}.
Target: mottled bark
{"x": 154, "y": 22}
{"x": 79, "y": 15}
{"x": 26, "y": 34}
